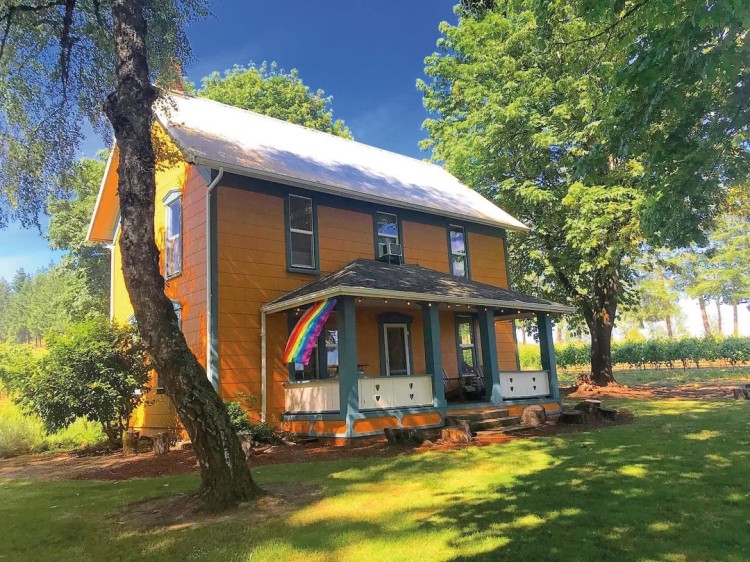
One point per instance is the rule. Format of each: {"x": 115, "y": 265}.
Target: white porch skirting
{"x": 312, "y": 396}
{"x": 395, "y": 392}
{"x": 524, "y": 384}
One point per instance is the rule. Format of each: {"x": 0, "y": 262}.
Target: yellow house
{"x": 258, "y": 219}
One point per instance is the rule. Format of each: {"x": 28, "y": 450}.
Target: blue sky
{"x": 366, "y": 54}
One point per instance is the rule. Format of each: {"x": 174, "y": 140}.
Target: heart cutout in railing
{"x": 411, "y": 396}
{"x": 533, "y": 379}
{"x": 411, "y": 385}
{"x": 377, "y": 397}
{"x": 511, "y": 389}
{"x": 534, "y": 387}
{"x": 511, "y": 379}
{"x": 377, "y": 387}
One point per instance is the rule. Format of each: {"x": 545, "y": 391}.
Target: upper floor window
{"x": 173, "y": 234}
{"x": 301, "y": 235}
{"x": 458, "y": 257}
{"x": 388, "y": 237}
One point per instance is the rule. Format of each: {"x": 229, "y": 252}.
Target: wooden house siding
{"x": 252, "y": 270}
{"x": 188, "y": 288}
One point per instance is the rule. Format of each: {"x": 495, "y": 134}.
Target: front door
{"x": 396, "y": 338}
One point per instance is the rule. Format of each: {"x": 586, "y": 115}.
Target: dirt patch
{"x": 718, "y": 390}
{"x": 185, "y": 511}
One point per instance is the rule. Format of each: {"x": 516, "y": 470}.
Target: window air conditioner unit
{"x": 390, "y": 252}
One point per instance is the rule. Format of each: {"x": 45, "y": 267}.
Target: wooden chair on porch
{"x": 458, "y": 386}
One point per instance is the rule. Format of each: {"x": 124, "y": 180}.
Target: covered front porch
{"x": 406, "y": 346}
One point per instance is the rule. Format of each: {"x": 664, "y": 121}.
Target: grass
{"x": 671, "y": 377}
{"x": 21, "y": 434}
{"x": 671, "y": 486}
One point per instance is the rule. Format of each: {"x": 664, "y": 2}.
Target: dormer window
{"x": 173, "y": 234}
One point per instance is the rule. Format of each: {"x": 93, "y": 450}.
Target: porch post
{"x": 433, "y": 357}
{"x": 489, "y": 355}
{"x": 346, "y": 324}
{"x": 547, "y": 349}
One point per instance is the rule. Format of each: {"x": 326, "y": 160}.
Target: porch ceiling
{"x": 374, "y": 279}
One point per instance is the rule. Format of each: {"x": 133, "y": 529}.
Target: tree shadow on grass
{"x": 671, "y": 486}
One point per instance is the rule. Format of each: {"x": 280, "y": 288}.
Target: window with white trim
{"x": 459, "y": 258}
{"x": 173, "y": 234}
{"x": 301, "y": 238}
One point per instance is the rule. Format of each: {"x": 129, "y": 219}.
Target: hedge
{"x": 655, "y": 354}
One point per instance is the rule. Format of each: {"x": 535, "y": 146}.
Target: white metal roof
{"x": 218, "y": 135}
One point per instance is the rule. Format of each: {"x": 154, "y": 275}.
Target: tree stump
{"x": 456, "y": 434}
{"x": 534, "y": 416}
{"x": 572, "y": 416}
{"x": 404, "y": 436}
{"x": 246, "y": 441}
{"x": 608, "y": 414}
{"x": 742, "y": 392}
{"x": 589, "y": 406}
{"x": 161, "y": 443}
{"x": 130, "y": 443}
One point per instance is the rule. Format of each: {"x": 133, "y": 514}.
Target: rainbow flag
{"x": 302, "y": 339}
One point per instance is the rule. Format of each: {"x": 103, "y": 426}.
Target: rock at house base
{"x": 455, "y": 434}
{"x": 534, "y": 416}
{"x": 572, "y": 417}
{"x": 161, "y": 443}
{"x": 404, "y": 436}
{"x": 130, "y": 443}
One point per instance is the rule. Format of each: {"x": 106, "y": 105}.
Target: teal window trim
{"x": 321, "y": 352}
{"x": 467, "y": 259}
{"x": 399, "y": 238}
{"x": 315, "y": 270}
{"x": 459, "y": 351}
{"x": 395, "y": 318}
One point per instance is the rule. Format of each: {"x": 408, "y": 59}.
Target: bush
{"x": 261, "y": 432}
{"x": 657, "y": 353}
{"x": 529, "y": 356}
{"x": 21, "y": 434}
{"x": 94, "y": 371}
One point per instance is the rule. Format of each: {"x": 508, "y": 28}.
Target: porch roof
{"x": 375, "y": 279}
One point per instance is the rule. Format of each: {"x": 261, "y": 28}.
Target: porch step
{"x": 493, "y": 423}
{"x": 494, "y": 414}
{"x": 482, "y": 421}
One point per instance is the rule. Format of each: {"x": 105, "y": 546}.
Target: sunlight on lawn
{"x": 666, "y": 487}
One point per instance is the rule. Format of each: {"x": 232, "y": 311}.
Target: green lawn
{"x": 670, "y": 377}
{"x": 671, "y": 486}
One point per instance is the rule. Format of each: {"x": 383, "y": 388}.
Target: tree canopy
{"x": 275, "y": 93}
{"x": 604, "y": 126}
{"x": 57, "y": 67}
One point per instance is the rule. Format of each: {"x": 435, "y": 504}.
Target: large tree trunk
{"x": 670, "y": 331}
{"x": 736, "y": 317}
{"x": 718, "y": 318}
{"x": 704, "y": 316}
{"x": 601, "y": 320}
{"x": 225, "y": 478}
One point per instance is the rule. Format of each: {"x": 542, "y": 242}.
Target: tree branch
{"x": 12, "y": 10}
{"x": 607, "y": 29}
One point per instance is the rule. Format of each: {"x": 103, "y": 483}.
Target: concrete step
{"x": 494, "y": 414}
{"x": 493, "y": 423}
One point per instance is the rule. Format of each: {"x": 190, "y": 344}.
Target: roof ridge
{"x": 268, "y": 117}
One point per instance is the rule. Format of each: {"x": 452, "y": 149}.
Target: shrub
{"x": 94, "y": 370}
{"x": 261, "y": 432}
{"x": 657, "y": 353}
{"x": 529, "y": 356}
